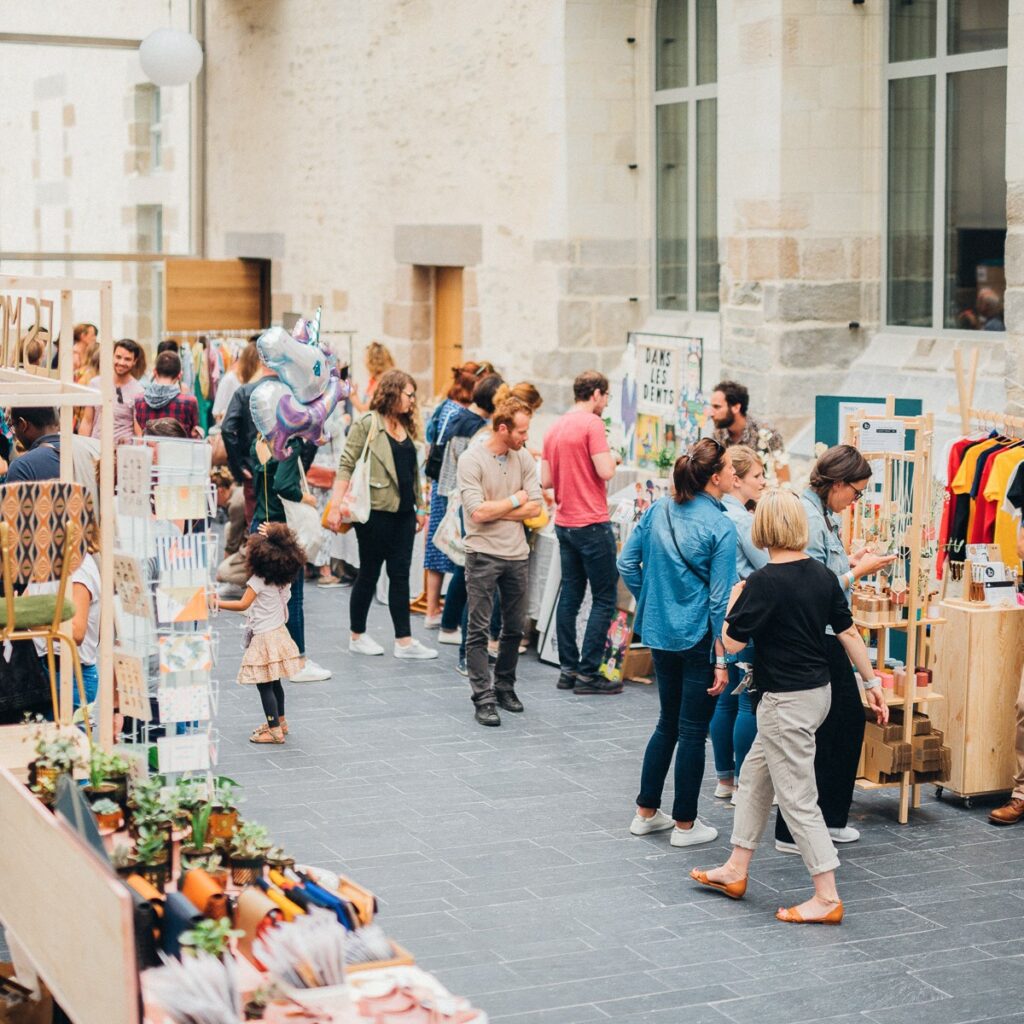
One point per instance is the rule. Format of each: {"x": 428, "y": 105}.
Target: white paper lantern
{"x": 170, "y": 56}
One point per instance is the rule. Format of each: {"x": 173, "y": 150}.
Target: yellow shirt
{"x": 1007, "y": 523}
{"x": 965, "y": 474}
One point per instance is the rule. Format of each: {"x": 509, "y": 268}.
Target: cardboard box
{"x": 885, "y": 758}
{"x": 638, "y": 664}
{"x": 922, "y": 723}
{"x": 939, "y": 774}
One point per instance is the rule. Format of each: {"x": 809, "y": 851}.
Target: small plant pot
{"x": 107, "y": 791}
{"x": 112, "y": 821}
{"x": 39, "y": 773}
{"x": 190, "y": 854}
{"x": 281, "y": 863}
{"x": 120, "y": 794}
{"x": 223, "y": 824}
{"x": 155, "y": 874}
{"x": 254, "y": 1011}
{"x": 246, "y": 870}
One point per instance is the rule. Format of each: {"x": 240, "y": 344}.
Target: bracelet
{"x": 514, "y": 498}
{"x": 721, "y": 663}
{"x": 873, "y": 684}
{"x": 851, "y": 578}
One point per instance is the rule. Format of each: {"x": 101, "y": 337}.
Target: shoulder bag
{"x": 435, "y": 455}
{"x": 304, "y": 521}
{"x": 356, "y": 508}
{"x": 449, "y": 537}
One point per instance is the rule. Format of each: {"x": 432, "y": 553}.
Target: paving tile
{"x": 502, "y": 859}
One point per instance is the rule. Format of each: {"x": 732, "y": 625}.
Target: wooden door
{"x": 447, "y": 325}
{"x": 211, "y": 294}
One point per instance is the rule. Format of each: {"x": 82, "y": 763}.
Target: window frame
{"x": 939, "y": 67}
{"x": 689, "y": 94}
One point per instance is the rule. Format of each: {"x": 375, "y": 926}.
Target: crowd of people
{"x": 741, "y": 591}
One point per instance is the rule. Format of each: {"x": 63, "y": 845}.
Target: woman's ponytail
{"x": 694, "y": 469}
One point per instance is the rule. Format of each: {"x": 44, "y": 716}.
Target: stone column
{"x": 799, "y": 195}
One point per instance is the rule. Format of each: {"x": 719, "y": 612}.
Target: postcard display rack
{"x": 164, "y": 573}
{"x": 895, "y": 517}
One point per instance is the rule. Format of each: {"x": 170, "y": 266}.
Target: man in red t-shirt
{"x": 577, "y": 463}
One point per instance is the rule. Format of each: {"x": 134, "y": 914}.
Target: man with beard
{"x": 732, "y": 425}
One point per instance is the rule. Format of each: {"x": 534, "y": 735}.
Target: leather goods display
{"x": 180, "y": 916}
{"x": 255, "y": 913}
{"x": 147, "y": 911}
{"x": 286, "y": 906}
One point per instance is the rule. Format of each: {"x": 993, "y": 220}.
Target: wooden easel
{"x": 917, "y": 623}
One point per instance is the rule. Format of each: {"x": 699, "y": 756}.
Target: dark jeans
{"x": 296, "y": 623}
{"x": 733, "y": 725}
{"x": 386, "y": 538}
{"x": 454, "y": 601}
{"x": 587, "y": 554}
{"x": 684, "y": 678}
{"x": 838, "y": 742}
{"x": 272, "y": 696}
{"x": 485, "y": 575}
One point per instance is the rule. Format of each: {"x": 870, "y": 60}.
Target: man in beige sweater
{"x": 499, "y": 490}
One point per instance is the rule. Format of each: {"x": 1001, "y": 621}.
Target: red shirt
{"x": 581, "y": 495}
{"x": 183, "y": 408}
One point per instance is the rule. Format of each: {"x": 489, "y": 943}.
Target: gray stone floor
{"x": 501, "y": 858}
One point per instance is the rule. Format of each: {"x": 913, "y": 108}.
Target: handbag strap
{"x": 679, "y": 551}
{"x": 302, "y": 477}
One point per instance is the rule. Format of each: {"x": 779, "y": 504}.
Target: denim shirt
{"x": 825, "y": 543}
{"x": 674, "y": 607}
{"x": 748, "y": 557}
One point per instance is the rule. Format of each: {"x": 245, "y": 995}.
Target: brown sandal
{"x": 793, "y": 916}
{"x": 264, "y": 734}
{"x": 266, "y": 728}
{"x": 734, "y": 890}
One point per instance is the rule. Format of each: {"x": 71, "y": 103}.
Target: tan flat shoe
{"x": 793, "y": 916}
{"x": 264, "y": 734}
{"x": 734, "y": 890}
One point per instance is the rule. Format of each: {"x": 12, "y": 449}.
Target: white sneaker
{"x": 844, "y": 835}
{"x": 432, "y": 621}
{"x": 699, "y": 833}
{"x": 415, "y": 651}
{"x": 450, "y": 636}
{"x": 724, "y": 791}
{"x": 786, "y": 847}
{"x": 365, "y": 644}
{"x": 312, "y": 673}
{"x": 645, "y": 826}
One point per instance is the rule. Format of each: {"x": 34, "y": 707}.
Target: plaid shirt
{"x": 183, "y": 408}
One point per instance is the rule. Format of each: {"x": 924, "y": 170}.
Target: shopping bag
{"x": 304, "y": 521}
{"x": 449, "y": 538}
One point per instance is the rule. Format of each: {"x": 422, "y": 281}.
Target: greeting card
{"x": 134, "y": 478}
{"x": 130, "y": 586}
{"x": 181, "y": 604}
{"x": 184, "y": 560}
{"x": 184, "y": 703}
{"x": 189, "y": 753}
{"x": 187, "y": 652}
{"x": 181, "y": 501}
{"x": 133, "y": 697}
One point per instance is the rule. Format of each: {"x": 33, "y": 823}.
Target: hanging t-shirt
{"x": 963, "y": 513}
{"x": 1003, "y": 523}
{"x": 982, "y": 513}
{"x": 956, "y": 455}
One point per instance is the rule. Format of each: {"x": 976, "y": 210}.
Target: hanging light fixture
{"x": 170, "y": 56}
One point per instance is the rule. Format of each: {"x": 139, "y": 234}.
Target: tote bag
{"x": 304, "y": 521}
{"x": 357, "y": 499}
{"x": 449, "y": 538}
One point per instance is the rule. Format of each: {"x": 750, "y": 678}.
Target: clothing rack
{"x": 212, "y": 332}
{"x": 917, "y": 624}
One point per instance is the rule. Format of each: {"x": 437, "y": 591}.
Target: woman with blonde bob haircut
{"x": 785, "y": 608}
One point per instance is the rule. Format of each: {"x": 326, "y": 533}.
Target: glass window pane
{"x": 912, "y": 29}
{"x": 911, "y": 200}
{"x": 133, "y": 19}
{"x": 707, "y": 41}
{"x": 707, "y": 206}
{"x": 672, "y": 33}
{"x": 977, "y": 25}
{"x": 672, "y": 208}
{"x": 86, "y": 140}
{"x": 975, "y": 199}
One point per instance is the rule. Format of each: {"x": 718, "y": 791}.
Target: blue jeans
{"x": 684, "y": 678}
{"x": 733, "y": 725}
{"x": 454, "y": 601}
{"x": 296, "y": 624}
{"x": 90, "y": 677}
{"x": 587, "y": 555}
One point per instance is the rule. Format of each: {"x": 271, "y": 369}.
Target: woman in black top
{"x": 784, "y": 608}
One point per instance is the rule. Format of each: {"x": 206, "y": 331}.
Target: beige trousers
{"x": 781, "y": 761}
{"x": 1018, "y": 779}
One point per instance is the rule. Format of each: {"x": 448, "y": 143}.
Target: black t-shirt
{"x": 404, "y": 454}
{"x": 784, "y": 609}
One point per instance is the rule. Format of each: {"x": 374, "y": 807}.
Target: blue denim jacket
{"x": 748, "y": 557}
{"x": 825, "y": 542}
{"x": 675, "y": 608}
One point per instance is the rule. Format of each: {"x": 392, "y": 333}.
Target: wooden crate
{"x": 978, "y": 661}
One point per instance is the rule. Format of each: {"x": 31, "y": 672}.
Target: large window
{"x": 686, "y": 187}
{"x": 946, "y": 210}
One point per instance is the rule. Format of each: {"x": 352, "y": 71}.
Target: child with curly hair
{"x": 273, "y": 559}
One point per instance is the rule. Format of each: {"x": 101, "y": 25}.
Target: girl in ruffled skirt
{"x": 274, "y": 558}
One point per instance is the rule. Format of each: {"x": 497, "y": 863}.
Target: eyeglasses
{"x": 409, "y": 394}
{"x": 120, "y": 397}
{"x": 857, "y": 494}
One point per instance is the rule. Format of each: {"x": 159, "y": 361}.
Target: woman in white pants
{"x": 784, "y": 609}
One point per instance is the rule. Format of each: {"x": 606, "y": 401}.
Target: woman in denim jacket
{"x": 838, "y": 479}
{"x": 680, "y": 564}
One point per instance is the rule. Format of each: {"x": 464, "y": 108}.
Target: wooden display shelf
{"x": 897, "y": 624}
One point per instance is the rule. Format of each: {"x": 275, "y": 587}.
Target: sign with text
{"x": 658, "y": 365}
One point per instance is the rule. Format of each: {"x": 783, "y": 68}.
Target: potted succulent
{"x": 213, "y": 866}
{"x": 666, "y": 460}
{"x": 277, "y": 858}
{"x": 56, "y": 754}
{"x": 212, "y": 937}
{"x": 123, "y": 859}
{"x": 99, "y": 787}
{"x": 108, "y": 814}
{"x": 152, "y": 857}
{"x": 189, "y": 793}
{"x": 249, "y": 847}
{"x": 197, "y": 848}
{"x": 149, "y": 807}
{"x": 118, "y": 771}
{"x": 224, "y": 813}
